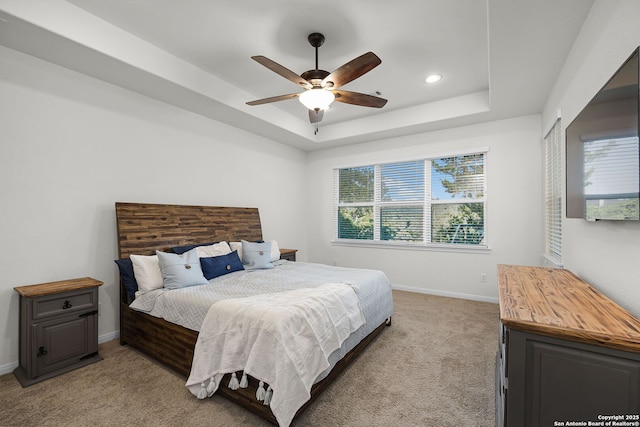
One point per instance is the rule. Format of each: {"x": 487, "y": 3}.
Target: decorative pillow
{"x": 182, "y": 249}
{"x": 256, "y": 255}
{"x": 275, "y": 250}
{"x": 180, "y": 271}
{"x": 127, "y": 276}
{"x": 221, "y": 265}
{"x": 146, "y": 269}
{"x": 216, "y": 249}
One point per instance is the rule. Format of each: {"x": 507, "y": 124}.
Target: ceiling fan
{"x": 321, "y": 87}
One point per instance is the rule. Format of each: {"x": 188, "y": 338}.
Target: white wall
{"x": 71, "y": 146}
{"x": 514, "y": 191}
{"x": 606, "y": 253}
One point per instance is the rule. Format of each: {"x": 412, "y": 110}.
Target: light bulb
{"x": 433, "y": 78}
{"x": 317, "y": 99}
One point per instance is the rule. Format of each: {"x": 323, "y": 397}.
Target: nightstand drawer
{"x": 65, "y": 303}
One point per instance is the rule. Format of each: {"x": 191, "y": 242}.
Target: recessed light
{"x": 433, "y": 78}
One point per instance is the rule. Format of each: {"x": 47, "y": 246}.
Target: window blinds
{"x": 426, "y": 201}
{"x": 553, "y": 194}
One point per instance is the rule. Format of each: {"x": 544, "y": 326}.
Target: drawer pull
{"x": 42, "y": 351}
{"x": 66, "y": 305}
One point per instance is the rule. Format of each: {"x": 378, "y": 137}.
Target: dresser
{"x": 566, "y": 352}
{"x": 58, "y": 328}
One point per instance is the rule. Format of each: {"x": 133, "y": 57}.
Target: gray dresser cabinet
{"x": 566, "y": 354}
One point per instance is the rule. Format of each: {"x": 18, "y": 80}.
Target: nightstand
{"x": 58, "y": 328}
{"x": 288, "y": 254}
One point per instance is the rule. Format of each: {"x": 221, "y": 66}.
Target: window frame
{"x": 426, "y": 203}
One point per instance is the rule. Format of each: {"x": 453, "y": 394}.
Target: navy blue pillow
{"x": 182, "y": 249}
{"x": 220, "y": 265}
{"x": 128, "y": 277}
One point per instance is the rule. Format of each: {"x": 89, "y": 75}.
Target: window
{"x": 553, "y": 194}
{"x": 427, "y": 202}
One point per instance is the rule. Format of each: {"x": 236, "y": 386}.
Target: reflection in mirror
{"x": 611, "y": 178}
{"x": 603, "y": 155}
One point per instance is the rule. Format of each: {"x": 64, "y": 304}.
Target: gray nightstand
{"x": 58, "y": 328}
{"x": 288, "y": 254}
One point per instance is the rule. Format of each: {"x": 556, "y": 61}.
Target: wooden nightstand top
{"x": 41, "y": 289}
{"x": 288, "y": 254}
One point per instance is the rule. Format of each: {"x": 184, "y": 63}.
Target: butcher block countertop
{"x": 42, "y": 289}
{"x": 556, "y": 303}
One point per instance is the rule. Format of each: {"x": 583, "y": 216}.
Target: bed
{"x": 144, "y": 228}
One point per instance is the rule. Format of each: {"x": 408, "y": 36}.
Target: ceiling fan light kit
{"x": 317, "y": 99}
{"x": 321, "y": 86}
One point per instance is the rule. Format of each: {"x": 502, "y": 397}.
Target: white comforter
{"x": 283, "y": 339}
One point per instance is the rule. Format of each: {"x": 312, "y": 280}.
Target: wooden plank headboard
{"x": 143, "y": 228}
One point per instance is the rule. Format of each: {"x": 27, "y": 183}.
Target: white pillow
{"x": 275, "y": 250}
{"x": 236, "y": 246}
{"x": 216, "y": 249}
{"x": 146, "y": 268}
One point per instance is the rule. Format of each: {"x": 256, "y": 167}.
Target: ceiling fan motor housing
{"x": 315, "y": 77}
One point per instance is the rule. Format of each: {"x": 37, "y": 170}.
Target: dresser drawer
{"x": 64, "y": 303}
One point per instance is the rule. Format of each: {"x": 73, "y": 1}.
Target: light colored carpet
{"x": 433, "y": 367}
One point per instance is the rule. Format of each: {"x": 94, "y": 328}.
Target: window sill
{"x": 457, "y": 248}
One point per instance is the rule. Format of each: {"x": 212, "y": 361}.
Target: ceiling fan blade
{"x": 357, "y": 98}
{"x": 273, "y": 99}
{"x": 315, "y": 116}
{"x": 283, "y": 71}
{"x": 351, "y": 70}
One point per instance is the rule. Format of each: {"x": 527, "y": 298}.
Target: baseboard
{"x": 9, "y": 367}
{"x": 446, "y": 294}
{"x": 108, "y": 337}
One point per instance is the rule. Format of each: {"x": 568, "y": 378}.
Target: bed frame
{"x": 143, "y": 228}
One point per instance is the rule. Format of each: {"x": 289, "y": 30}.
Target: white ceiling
{"x": 498, "y": 58}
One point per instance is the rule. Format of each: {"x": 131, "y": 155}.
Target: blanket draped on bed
{"x": 283, "y": 339}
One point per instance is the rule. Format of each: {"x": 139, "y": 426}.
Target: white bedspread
{"x": 283, "y": 339}
{"x": 188, "y": 306}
